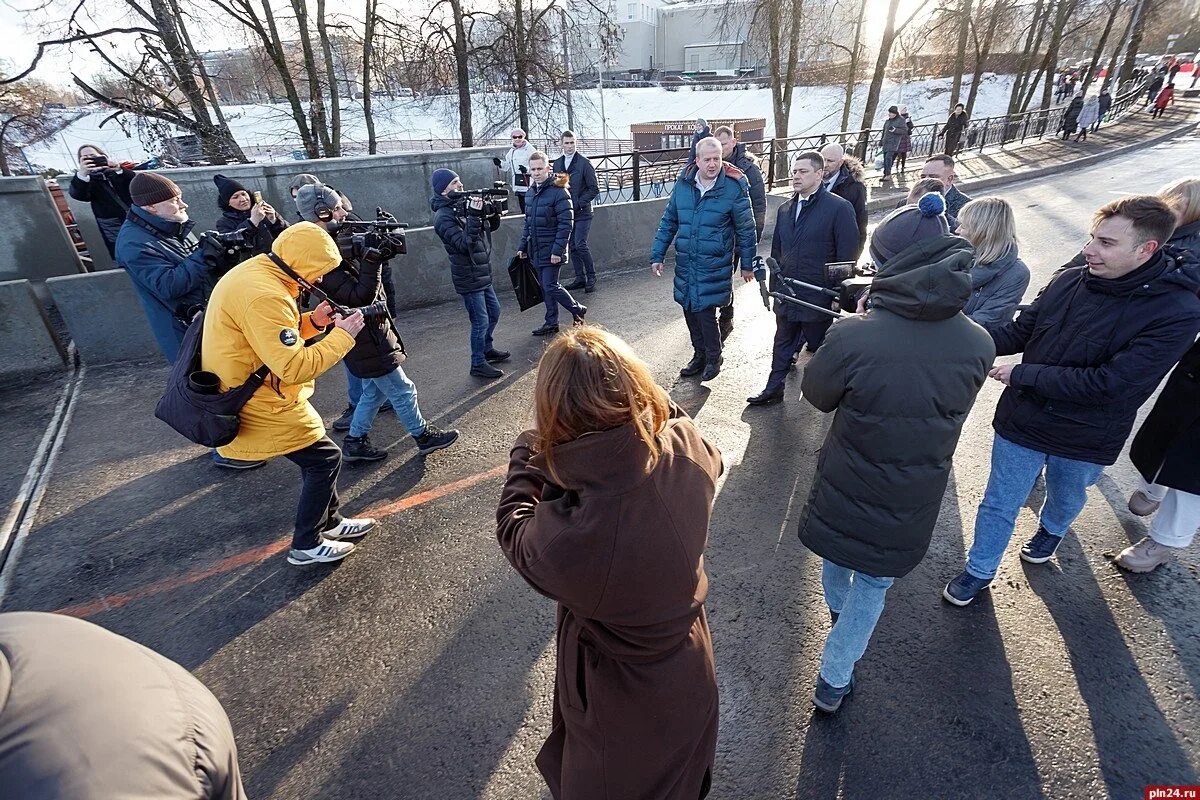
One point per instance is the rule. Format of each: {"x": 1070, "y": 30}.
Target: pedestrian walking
{"x": 90, "y": 714}
{"x": 465, "y": 227}
{"x": 999, "y": 277}
{"x": 905, "y": 140}
{"x": 1070, "y": 120}
{"x": 1154, "y": 86}
{"x": 734, "y": 152}
{"x": 953, "y": 129}
{"x": 1105, "y": 104}
{"x": 708, "y": 217}
{"x": 1096, "y": 343}
{"x": 844, "y": 177}
{"x": 1164, "y": 99}
{"x": 1089, "y": 115}
{"x": 1166, "y": 449}
{"x": 259, "y": 221}
{"x": 812, "y": 228}
{"x": 253, "y": 319}
{"x": 581, "y": 177}
{"x": 606, "y": 511}
{"x": 515, "y": 164}
{"x": 901, "y": 378}
{"x": 104, "y": 184}
{"x": 548, "y": 219}
{"x": 894, "y": 127}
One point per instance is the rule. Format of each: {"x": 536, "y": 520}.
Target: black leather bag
{"x": 526, "y": 284}
{"x": 193, "y": 404}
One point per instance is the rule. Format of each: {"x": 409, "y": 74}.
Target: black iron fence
{"x": 647, "y": 174}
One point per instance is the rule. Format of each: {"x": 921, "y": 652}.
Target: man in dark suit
{"x": 584, "y": 189}
{"x": 812, "y": 229}
{"x": 844, "y": 177}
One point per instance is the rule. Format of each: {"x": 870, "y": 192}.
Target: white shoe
{"x": 1145, "y": 556}
{"x": 349, "y": 529}
{"x": 325, "y": 552}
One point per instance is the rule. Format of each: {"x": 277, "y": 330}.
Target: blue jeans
{"x": 858, "y": 600}
{"x": 555, "y": 295}
{"x": 1014, "y": 471}
{"x": 395, "y": 386}
{"x": 354, "y": 385}
{"x": 581, "y": 254}
{"x": 484, "y": 310}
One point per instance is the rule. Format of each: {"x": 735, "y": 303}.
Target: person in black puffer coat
{"x": 548, "y": 219}
{"x": 465, "y": 228}
{"x": 1096, "y": 343}
{"x": 1070, "y": 120}
{"x": 378, "y": 350}
{"x": 260, "y": 221}
{"x": 104, "y": 184}
{"x": 902, "y": 379}
{"x": 1166, "y": 449}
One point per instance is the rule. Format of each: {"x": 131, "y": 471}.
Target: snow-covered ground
{"x": 269, "y": 129}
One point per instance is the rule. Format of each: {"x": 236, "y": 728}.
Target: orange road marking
{"x": 264, "y": 552}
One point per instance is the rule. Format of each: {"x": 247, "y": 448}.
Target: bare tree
{"x": 890, "y": 31}
{"x": 21, "y": 118}
{"x": 1114, "y": 10}
{"x": 960, "y": 54}
{"x": 997, "y": 11}
{"x": 856, "y": 54}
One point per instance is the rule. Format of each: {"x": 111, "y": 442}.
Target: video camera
{"x": 376, "y": 240}
{"x": 224, "y": 251}
{"x": 851, "y": 280}
{"x": 499, "y": 190}
{"x": 495, "y": 200}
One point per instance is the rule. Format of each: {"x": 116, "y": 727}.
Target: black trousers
{"x": 317, "y": 512}
{"x": 521, "y": 201}
{"x": 706, "y": 336}
{"x": 789, "y": 337}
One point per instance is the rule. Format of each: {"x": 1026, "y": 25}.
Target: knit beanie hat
{"x": 893, "y": 110}
{"x": 908, "y": 225}
{"x": 227, "y": 188}
{"x": 441, "y": 179}
{"x": 148, "y": 188}
{"x": 303, "y": 179}
{"x": 312, "y": 195}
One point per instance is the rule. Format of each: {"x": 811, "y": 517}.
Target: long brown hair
{"x": 591, "y": 380}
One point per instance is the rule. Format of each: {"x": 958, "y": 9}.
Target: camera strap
{"x": 306, "y": 285}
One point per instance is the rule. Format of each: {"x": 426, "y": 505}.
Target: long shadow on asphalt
{"x": 1132, "y": 753}
{"x": 932, "y": 674}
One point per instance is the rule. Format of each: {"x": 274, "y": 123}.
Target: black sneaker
{"x": 1041, "y": 547}
{"x": 829, "y": 698}
{"x": 342, "y": 423}
{"x": 496, "y": 356}
{"x": 712, "y": 370}
{"x": 546, "y": 330}
{"x": 578, "y": 318}
{"x": 578, "y": 283}
{"x": 693, "y": 367}
{"x": 359, "y": 448}
{"x": 434, "y": 439}
{"x": 486, "y": 370}
{"x": 591, "y": 287}
{"x": 963, "y": 590}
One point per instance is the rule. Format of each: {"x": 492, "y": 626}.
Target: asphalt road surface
{"x": 421, "y": 667}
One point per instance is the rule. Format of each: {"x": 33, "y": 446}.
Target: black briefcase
{"x": 526, "y": 284}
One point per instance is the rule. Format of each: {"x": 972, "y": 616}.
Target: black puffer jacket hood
{"x": 931, "y": 280}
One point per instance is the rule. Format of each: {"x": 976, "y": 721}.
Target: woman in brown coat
{"x": 606, "y": 511}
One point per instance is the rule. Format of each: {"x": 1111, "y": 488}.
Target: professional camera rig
{"x": 380, "y": 238}
{"x": 224, "y": 251}
{"x": 851, "y": 280}
{"x": 498, "y": 190}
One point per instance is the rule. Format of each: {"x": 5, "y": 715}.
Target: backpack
{"x": 192, "y": 404}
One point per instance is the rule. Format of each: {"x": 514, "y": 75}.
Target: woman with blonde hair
{"x": 1166, "y": 449}
{"x": 606, "y": 511}
{"x": 999, "y": 277}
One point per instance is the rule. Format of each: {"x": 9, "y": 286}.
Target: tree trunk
{"x": 981, "y": 57}
{"x": 462, "y": 67}
{"x": 960, "y": 56}
{"x": 316, "y": 99}
{"x": 1091, "y": 72}
{"x": 1036, "y": 25}
{"x": 335, "y": 95}
{"x": 274, "y": 47}
{"x": 519, "y": 47}
{"x": 1065, "y": 8}
{"x": 852, "y": 78}
{"x": 368, "y": 45}
{"x": 235, "y": 151}
{"x": 1135, "y": 41}
{"x": 1110, "y": 73}
{"x": 885, "y": 52}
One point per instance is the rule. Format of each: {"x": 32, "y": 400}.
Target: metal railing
{"x": 647, "y": 174}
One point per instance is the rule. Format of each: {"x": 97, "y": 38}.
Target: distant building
{"x": 677, "y": 134}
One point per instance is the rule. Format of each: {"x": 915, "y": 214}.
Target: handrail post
{"x": 933, "y": 140}
{"x": 637, "y": 175}
{"x": 983, "y": 137}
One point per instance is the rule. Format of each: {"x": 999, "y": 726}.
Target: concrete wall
{"x": 28, "y": 345}
{"x": 33, "y": 240}
{"x": 106, "y": 320}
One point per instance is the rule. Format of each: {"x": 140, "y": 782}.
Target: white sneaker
{"x": 1145, "y": 556}
{"x": 325, "y": 552}
{"x": 349, "y": 529}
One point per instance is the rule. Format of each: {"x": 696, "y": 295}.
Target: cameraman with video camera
{"x": 378, "y": 352}
{"x": 464, "y": 221}
{"x": 104, "y": 184}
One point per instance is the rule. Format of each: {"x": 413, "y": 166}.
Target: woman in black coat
{"x": 104, "y": 184}
{"x": 1071, "y": 116}
{"x": 1166, "y": 449}
{"x": 239, "y": 212}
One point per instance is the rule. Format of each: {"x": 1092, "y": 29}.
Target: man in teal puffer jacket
{"x": 708, "y": 216}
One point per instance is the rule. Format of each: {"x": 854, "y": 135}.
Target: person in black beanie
{"x": 259, "y": 220}
{"x": 465, "y": 228}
